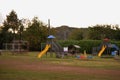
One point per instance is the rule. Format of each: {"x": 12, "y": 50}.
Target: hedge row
{"x": 85, "y": 44}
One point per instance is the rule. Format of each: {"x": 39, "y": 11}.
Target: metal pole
{"x": 48, "y": 26}
{"x": 51, "y": 54}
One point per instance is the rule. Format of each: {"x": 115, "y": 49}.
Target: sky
{"x": 73, "y": 13}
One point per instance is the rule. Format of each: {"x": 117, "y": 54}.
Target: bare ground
{"x": 41, "y": 66}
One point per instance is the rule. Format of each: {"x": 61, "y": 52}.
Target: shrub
{"x": 85, "y": 44}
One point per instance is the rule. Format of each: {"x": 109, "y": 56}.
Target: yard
{"x": 29, "y": 67}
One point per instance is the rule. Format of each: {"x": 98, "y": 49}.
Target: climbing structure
{"x": 52, "y": 45}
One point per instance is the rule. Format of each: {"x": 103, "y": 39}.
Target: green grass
{"x": 34, "y": 75}
{"x": 9, "y": 73}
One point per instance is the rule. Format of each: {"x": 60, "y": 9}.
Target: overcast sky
{"x": 74, "y": 13}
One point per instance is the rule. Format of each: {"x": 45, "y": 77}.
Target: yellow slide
{"x": 44, "y": 51}
{"x": 102, "y": 50}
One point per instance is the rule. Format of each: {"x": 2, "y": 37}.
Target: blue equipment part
{"x": 51, "y": 37}
{"x": 114, "y": 46}
{"x": 114, "y": 53}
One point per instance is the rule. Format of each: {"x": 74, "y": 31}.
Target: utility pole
{"x": 50, "y": 40}
{"x": 48, "y": 26}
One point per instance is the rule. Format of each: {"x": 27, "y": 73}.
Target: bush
{"x": 85, "y": 44}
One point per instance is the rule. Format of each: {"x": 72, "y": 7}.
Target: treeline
{"x": 97, "y": 32}
{"x": 35, "y": 31}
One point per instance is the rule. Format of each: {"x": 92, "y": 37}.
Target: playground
{"x": 54, "y": 63}
{"x": 106, "y": 48}
{"x": 28, "y": 67}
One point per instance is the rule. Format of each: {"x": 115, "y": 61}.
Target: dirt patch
{"x": 41, "y": 66}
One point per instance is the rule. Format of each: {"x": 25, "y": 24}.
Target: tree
{"x": 96, "y": 32}
{"x": 116, "y": 32}
{"x": 21, "y": 28}
{"x": 36, "y": 33}
{"x": 76, "y": 34}
{"x": 12, "y": 22}
{"x": 5, "y": 35}
{"x": 9, "y": 25}
{"x": 102, "y": 31}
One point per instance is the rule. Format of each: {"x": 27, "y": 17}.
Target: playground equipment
{"x": 54, "y": 46}
{"x": 107, "y": 48}
{"x": 102, "y": 50}
{"x": 84, "y": 56}
{"x": 57, "y": 49}
{"x": 44, "y": 51}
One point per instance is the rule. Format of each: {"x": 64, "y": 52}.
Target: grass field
{"x": 29, "y": 67}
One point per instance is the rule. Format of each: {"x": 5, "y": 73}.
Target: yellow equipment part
{"x": 102, "y": 50}
{"x": 44, "y": 51}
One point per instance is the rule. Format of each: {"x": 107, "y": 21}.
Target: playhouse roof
{"x": 76, "y": 46}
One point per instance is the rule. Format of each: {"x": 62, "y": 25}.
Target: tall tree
{"x": 36, "y": 33}
{"x": 5, "y": 35}
{"x": 10, "y": 25}
{"x": 20, "y": 29}
{"x": 12, "y": 22}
